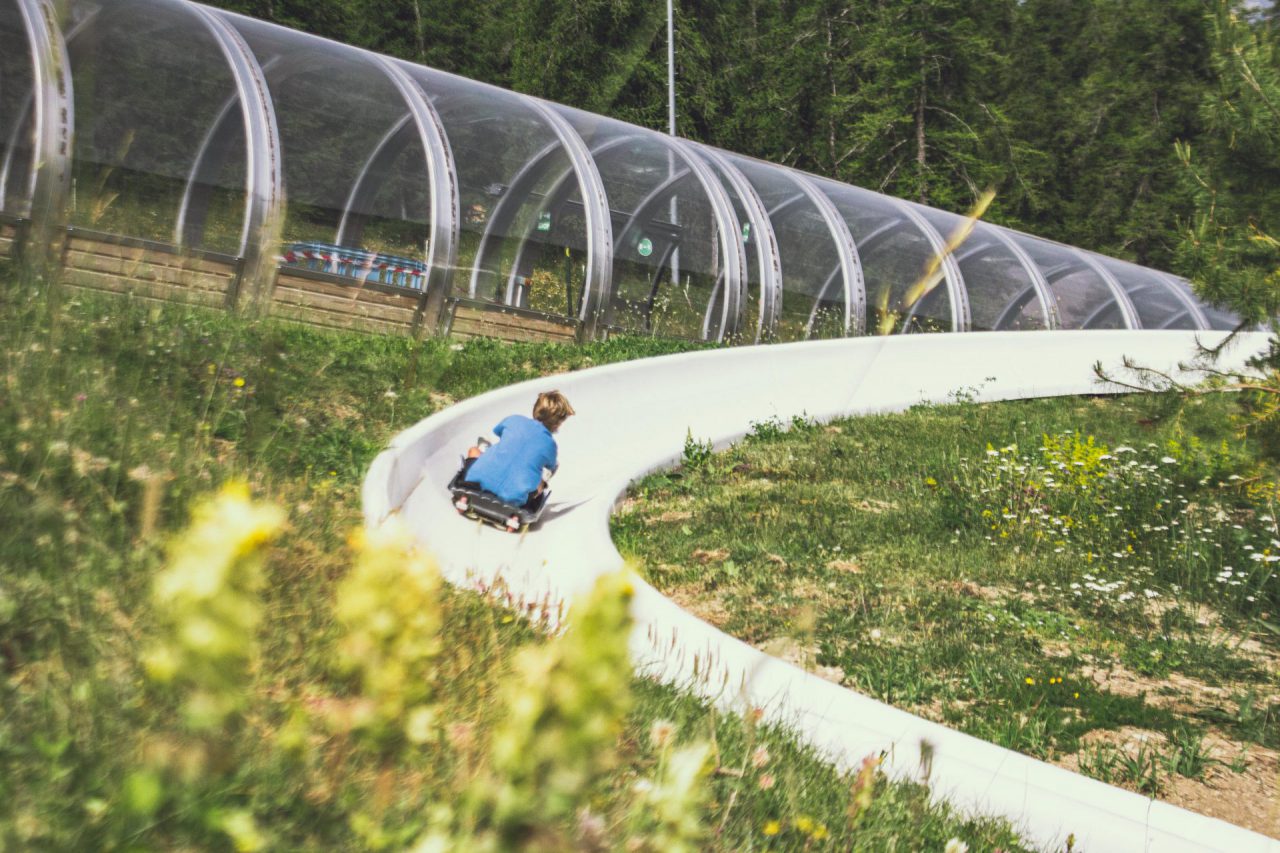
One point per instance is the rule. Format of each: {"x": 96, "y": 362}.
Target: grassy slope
{"x": 861, "y": 549}
{"x": 114, "y": 417}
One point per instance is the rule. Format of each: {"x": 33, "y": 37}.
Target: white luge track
{"x": 633, "y": 417}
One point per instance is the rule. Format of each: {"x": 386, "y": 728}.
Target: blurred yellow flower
{"x": 772, "y": 828}
{"x": 208, "y": 593}
{"x": 389, "y": 608}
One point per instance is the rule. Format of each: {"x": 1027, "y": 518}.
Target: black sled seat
{"x": 474, "y": 502}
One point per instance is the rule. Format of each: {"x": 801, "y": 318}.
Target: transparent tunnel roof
{"x": 815, "y": 299}
{"x": 1158, "y": 303}
{"x": 1085, "y": 299}
{"x": 897, "y": 255}
{"x": 999, "y": 281}
{"x": 354, "y": 167}
{"x": 203, "y": 129}
{"x": 150, "y": 83}
{"x": 523, "y": 238}
{"x": 678, "y": 256}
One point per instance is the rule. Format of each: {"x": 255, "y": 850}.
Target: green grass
{"x": 116, "y": 418}
{"x": 919, "y": 558}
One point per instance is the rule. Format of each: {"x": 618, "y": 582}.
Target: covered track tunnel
{"x": 175, "y": 150}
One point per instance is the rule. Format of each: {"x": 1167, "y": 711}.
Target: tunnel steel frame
{"x": 53, "y": 116}
{"x": 763, "y": 239}
{"x": 728, "y": 188}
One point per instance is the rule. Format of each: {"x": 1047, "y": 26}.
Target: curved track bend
{"x": 633, "y": 417}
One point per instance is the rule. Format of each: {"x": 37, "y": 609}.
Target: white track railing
{"x": 633, "y": 417}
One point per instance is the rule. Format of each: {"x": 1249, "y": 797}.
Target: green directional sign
{"x": 544, "y": 222}
{"x": 645, "y": 247}
{"x": 746, "y": 232}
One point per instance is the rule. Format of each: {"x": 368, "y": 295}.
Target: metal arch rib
{"x": 766, "y": 242}
{"x": 505, "y": 210}
{"x": 1048, "y": 299}
{"x": 442, "y": 236}
{"x": 855, "y": 288}
{"x": 49, "y": 178}
{"x": 960, "y": 318}
{"x": 1185, "y": 297}
{"x": 1127, "y": 311}
{"x": 1013, "y": 308}
{"x": 790, "y": 201}
{"x": 662, "y": 192}
{"x": 264, "y": 178}
{"x": 389, "y": 147}
{"x": 205, "y": 168}
{"x": 598, "y": 287}
{"x": 733, "y": 257}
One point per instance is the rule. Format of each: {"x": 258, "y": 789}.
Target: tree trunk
{"x": 831, "y": 107}
{"x": 921, "y": 158}
{"x": 417, "y": 21}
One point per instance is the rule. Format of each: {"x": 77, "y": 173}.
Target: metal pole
{"x": 671, "y": 70}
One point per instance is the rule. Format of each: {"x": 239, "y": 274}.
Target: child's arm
{"x": 552, "y": 462}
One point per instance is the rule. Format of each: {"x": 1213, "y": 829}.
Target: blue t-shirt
{"x": 512, "y": 468}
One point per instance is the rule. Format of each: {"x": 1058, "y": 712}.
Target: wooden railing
{"x": 339, "y": 302}
{"x": 147, "y": 269}
{"x": 95, "y": 261}
{"x": 469, "y": 318}
{"x": 11, "y": 233}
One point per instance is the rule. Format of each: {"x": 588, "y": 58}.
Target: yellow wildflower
{"x": 389, "y": 606}
{"x": 208, "y": 592}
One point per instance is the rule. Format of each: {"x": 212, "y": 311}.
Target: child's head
{"x": 551, "y": 410}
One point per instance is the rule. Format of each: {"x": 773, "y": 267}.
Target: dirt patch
{"x": 343, "y": 412}
{"x": 710, "y": 555}
{"x": 1249, "y": 798}
{"x": 791, "y": 650}
{"x": 845, "y": 566}
{"x": 1057, "y": 649}
{"x": 669, "y": 516}
{"x": 1239, "y": 785}
{"x": 1174, "y": 692}
{"x": 693, "y": 598}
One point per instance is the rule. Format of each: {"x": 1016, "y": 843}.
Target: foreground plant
{"x": 389, "y": 609}
{"x": 564, "y": 712}
{"x": 208, "y": 594}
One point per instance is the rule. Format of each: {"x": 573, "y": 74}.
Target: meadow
{"x": 201, "y": 648}
{"x": 1090, "y": 581}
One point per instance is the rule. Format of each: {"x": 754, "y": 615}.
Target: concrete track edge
{"x": 633, "y": 417}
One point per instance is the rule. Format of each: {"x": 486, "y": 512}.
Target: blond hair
{"x": 552, "y": 409}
